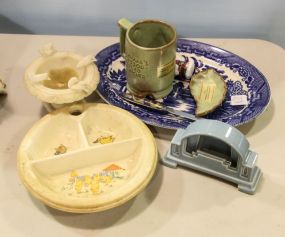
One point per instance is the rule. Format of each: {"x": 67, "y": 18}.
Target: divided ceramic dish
{"x": 87, "y": 158}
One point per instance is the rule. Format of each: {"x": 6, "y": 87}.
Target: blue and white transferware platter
{"x": 241, "y": 77}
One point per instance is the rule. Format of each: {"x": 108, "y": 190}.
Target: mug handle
{"x": 124, "y": 25}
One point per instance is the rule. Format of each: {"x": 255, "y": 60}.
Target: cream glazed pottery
{"x": 2, "y": 87}
{"x": 87, "y": 158}
{"x": 60, "y": 78}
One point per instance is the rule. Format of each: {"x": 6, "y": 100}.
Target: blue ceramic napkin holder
{"x": 218, "y": 149}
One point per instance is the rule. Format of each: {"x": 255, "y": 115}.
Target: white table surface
{"x": 177, "y": 202}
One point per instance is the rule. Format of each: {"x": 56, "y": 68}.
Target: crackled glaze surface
{"x": 61, "y": 77}
{"x": 88, "y": 162}
{"x": 241, "y": 77}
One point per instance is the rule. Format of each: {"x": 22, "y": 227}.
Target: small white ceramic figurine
{"x": 185, "y": 66}
{"x": 2, "y": 87}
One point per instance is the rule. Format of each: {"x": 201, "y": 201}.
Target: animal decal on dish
{"x": 61, "y": 149}
{"x": 104, "y": 139}
{"x": 95, "y": 183}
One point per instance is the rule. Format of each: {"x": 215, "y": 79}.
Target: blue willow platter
{"x": 241, "y": 77}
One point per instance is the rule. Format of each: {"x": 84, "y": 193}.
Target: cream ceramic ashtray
{"x": 87, "y": 158}
{"x": 60, "y": 78}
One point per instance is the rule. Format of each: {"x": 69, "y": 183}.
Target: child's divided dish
{"x": 87, "y": 158}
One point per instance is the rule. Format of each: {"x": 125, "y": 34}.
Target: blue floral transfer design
{"x": 247, "y": 80}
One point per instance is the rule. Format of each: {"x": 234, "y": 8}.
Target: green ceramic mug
{"x": 149, "y": 48}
